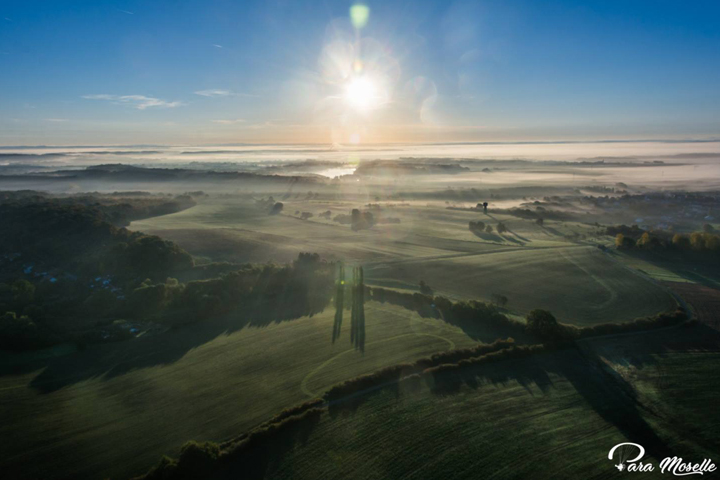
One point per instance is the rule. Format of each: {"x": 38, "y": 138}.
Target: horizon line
{"x": 341, "y": 145}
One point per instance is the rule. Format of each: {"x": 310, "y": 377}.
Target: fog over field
{"x": 625, "y": 161}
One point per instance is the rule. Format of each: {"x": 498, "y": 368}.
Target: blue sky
{"x": 82, "y": 72}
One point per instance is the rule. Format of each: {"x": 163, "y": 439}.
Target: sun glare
{"x": 362, "y": 94}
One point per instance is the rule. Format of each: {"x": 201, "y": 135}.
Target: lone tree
{"x": 485, "y": 205}
{"x": 501, "y": 228}
{"x": 277, "y": 208}
{"x": 499, "y": 300}
{"x": 544, "y": 325}
{"x": 425, "y": 288}
{"x": 489, "y": 229}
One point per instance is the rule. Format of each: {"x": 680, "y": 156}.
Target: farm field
{"x": 704, "y": 301}
{"x": 555, "y": 415}
{"x": 114, "y": 409}
{"x": 578, "y": 283}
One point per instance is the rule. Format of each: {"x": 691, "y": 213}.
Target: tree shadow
{"x": 479, "y": 330}
{"x": 488, "y": 237}
{"x": 697, "y": 267}
{"x": 601, "y": 387}
{"x": 262, "y": 456}
{"x": 587, "y": 367}
{"x": 110, "y": 360}
{"x": 519, "y": 237}
{"x": 337, "y": 322}
{"x": 357, "y": 318}
{"x": 552, "y": 231}
{"x": 510, "y": 239}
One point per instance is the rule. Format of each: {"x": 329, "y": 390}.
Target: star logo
{"x": 620, "y": 467}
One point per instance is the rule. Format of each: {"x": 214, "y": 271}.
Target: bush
{"x": 277, "y": 208}
{"x": 166, "y": 469}
{"x": 197, "y": 458}
{"x": 544, "y": 326}
{"x": 21, "y": 333}
{"x": 425, "y": 288}
{"x": 666, "y": 319}
{"x": 476, "y": 226}
{"x": 499, "y": 300}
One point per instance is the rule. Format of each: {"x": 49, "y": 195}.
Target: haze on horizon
{"x": 345, "y": 73}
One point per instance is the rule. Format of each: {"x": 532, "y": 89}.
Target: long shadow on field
{"x": 508, "y": 238}
{"x": 260, "y": 457}
{"x": 606, "y": 391}
{"x": 488, "y": 237}
{"x": 697, "y": 267}
{"x": 553, "y": 231}
{"x": 519, "y": 239}
{"x": 480, "y": 331}
{"x": 110, "y": 360}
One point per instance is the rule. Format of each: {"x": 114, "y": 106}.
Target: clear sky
{"x": 195, "y": 72}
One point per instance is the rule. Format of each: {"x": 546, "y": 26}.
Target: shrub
{"x": 196, "y": 458}
{"x": 277, "y": 208}
{"x": 543, "y": 325}
{"x": 165, "y": 470}
{"x": 21, "y": 333}
{"x": 499, "y": 300}
{"x": 425, "y": 288}
{"x": 476, "y": 226}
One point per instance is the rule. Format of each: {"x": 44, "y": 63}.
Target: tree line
{"x": 706, "y": 241}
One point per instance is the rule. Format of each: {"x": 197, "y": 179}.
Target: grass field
{"x": 112, "y": 410}
{"x": 535, "y": 266}
{"x": 551, "y": 416}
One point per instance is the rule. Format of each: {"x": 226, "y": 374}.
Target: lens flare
{"x": 359, "y": 15}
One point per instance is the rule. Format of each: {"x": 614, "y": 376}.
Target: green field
{"x": 536, "y": 267}
{"x": 555, "y": 415}
{"x": 114, "y": 409}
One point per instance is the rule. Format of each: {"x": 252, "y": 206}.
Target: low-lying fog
{"x": 694, "y": 165}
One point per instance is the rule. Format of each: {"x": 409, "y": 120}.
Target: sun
{"x": 362, "y": 94}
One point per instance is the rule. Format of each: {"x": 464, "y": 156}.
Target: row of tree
{"x": 264, "y": 292}
{"x": 696, "y": 241}
{"x": 481, "y": 227}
